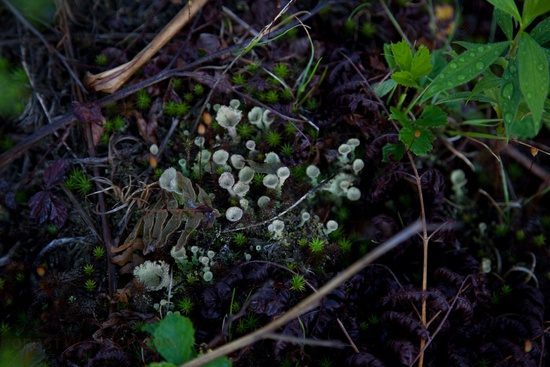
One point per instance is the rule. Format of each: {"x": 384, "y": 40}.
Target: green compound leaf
{"x": 541, "y": 32}
{"x": 504, "y": 21}
{"x": 173, "y": 337}
{"x": 534, "y": 8}
{"x": 219, "y": 362}
{"x": 385, "y": 87}
{"x": 405, "y": 78}
{"x": 402, "y": 55}
{"x": 465, "y": 67}
{"x": 507, "y": 6}
{"x": 533, "y": 74}
{"x": 399, "y": 116}
{"x": 421, "y": 63}
{"x": 417, "y": 139}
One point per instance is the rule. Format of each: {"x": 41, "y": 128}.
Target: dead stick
{"x": 109, "y": 81}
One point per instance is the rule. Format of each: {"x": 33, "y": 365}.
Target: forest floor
{"x": 248, "y": 163}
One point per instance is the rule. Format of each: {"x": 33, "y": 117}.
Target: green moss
{"x": 79, "y": 182}
{"x": 238, "y": 79}
{"x": 316, "y": 245}
{"x": 273, "y": 139}
{"x": 198, "y": 89}
{"x": 281, "y": 70}
{"x": 101, "y": 60}
{"x": 298, "y": 283}
{"x": 175, "y": 109}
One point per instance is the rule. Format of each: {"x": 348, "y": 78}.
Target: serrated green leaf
{"x": 541, "y": 32}
{"x": 507, "y": 6}
{"x": 417, "y": 139}
{"x": 402, "y": 54}
{"x": 421, "y": 63}
{"x": 395, "y": 151}
{"x": 505, "y": 23}
{"x": 465, "y": 67}
{"x": 174, "y": 337}
{"x": 510, "y": 96}
{"x": 405, "y": 78}
{"x": 533, "y": 74}
{"x": 384, "y": 88}
{"x": 399, "y": 116}
{"x": 432, "y": 116}
{"x": 534, "y": 8}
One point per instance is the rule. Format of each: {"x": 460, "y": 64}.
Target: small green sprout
{"x": 101, "y": 60}
{"x": 52, "y": 229}
{"x": 345, "y": 245}
{"x": 316, "y": 245}
{"x": 176, "y": 84}
{"x": 281, "y": 70}
{"x": 253, "y": 68}
{"x": 239, "y": 79}
{"x": 188, "y": 97}
{"x": 273, "y": 139}
{"x": 88, "y": 269}
{"x": 113, "y": 125}
{"x": 368, "y": 30}
{"x": 350, "y": 25}
{"x": 298, "y": 283}
{"x": 286, "y": 95}
{"x": 312, "y": 104}
{"x": 244, "y": 130}
{"x": 98, "y": 252}
{"x": 258, "y": 178}
{"x": 239, "y": 239}
{"x": 287, "y": 150}
{"x": 4, "y": 328}
{"x": 272, "y": 96}
{"x": 20, "y": 277}
{"x": 249, "y": 322}
{"x": 198, "y": 89}
{"x": 175, "y": 109}
{"x": 78, "y": 181}
{"x": 325, "y": 362}
{"x": 520, "y": 235}
{"x": 143, "y": 101}
{"x": 185, "y": 305}
{"x": 540, "y": 240}
{"x": 90, "y": 285}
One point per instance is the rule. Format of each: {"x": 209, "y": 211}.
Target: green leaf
{"x": 161, "y": 364}
{"x": 416, "y": 139}
{"x": 396, "y": 151}
{"x": 405, "y": 78}
{"x": 526, "y": 127}
{"x": 488, "y": 81}
{"x": 541, "y": 32}
{"x": 173, "y": 338}
{"x": 505, "y": 23}
{"x": 510, "y": 96}
{"x": 534, "y": 8}
{"x": 384, "y": 88}
{"x": 465, "y": 67}
{"x": 389, "y": 56}
{"x": 399, "y": 116}
{"x": 432, "y": 117}
{"x": 533, "y": 74}
{"x": 219, "y": 362}
{"x": 402, "y": 54}
{"x": 507, "y": 6}
{"x": 421, "y": 63}
{"x": 466, "y": 96}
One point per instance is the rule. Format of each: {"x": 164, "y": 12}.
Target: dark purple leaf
{"x": 47, "y": 207}
{"x": 55, "y": 173}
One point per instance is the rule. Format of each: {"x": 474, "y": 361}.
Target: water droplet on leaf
{"x": 509, "y": 117}
{"x": 453, "y": 65}
{"x": 481, "y": 49}
{"x": 508, "y": 90}
{"x": 480, "y": 66}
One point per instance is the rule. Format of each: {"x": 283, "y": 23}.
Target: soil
{"x": 472, "y": 294}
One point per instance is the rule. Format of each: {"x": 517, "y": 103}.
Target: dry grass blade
{"x": 109, "y": 81}
{"x": 310, "y": 302}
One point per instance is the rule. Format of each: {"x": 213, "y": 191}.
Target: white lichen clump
{"x": 228, "y": 117}
{"x": 154, "y": 275}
